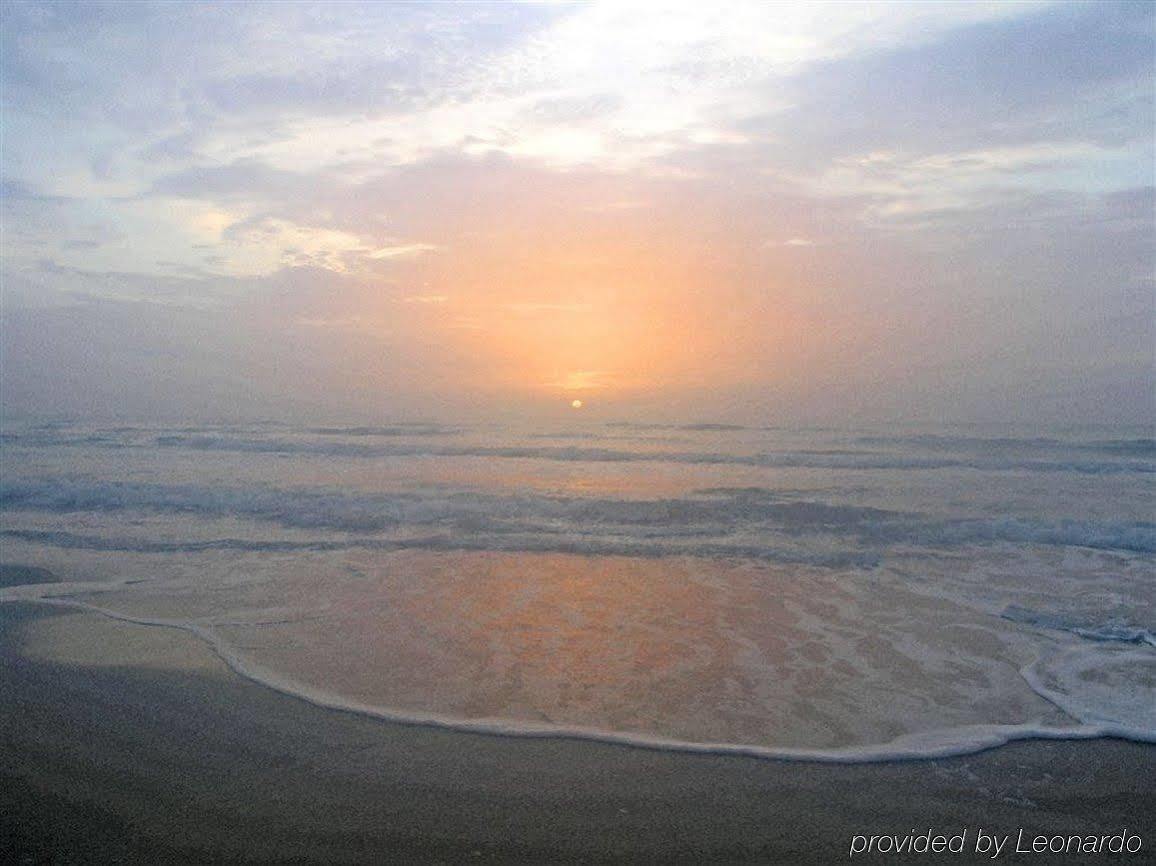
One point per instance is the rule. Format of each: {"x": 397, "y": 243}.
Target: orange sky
{"x": 758, "y": 211}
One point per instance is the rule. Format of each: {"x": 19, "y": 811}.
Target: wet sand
{"x": 156, "y": 752}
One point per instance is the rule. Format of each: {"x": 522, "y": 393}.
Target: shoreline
{"x": 916, "y": 746}
{"x": 200, "y": 764}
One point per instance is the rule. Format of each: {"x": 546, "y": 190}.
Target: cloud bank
{"x": 760, "y": 211}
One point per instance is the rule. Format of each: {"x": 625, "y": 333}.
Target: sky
{"x": 750, "y": 212}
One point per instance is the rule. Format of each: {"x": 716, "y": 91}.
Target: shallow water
{"x": 817, "y": 592}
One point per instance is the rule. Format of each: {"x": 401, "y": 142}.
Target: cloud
{"x": 361, "y": 324}
{"x": 901, "y": 188}
{"x": 401, "y": 251}
{"x": 17, "y": 191}
{"x": 594, "y": 186}
{"x": 1068, "y": 73}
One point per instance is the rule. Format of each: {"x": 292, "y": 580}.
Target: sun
{"x": 576, "y": 404}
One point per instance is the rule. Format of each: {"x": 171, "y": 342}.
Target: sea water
{"x": 824, "y": 593}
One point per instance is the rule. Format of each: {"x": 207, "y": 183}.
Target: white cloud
{"x": 904, "y": 187}
{"x": 401, "y": 251}
{"x": 664, "y": 76}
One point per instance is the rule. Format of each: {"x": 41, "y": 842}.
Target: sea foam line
{"x": 927, "y": 745}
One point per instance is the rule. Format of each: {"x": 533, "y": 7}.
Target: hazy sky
{"x": 753, "y": 212}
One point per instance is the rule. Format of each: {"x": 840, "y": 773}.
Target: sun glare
{"x": 576, "y": 404}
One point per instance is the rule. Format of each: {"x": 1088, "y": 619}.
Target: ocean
{"x": 831, "y": 594}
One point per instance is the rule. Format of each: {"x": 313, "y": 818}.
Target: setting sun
{"x": 576, "y": 404}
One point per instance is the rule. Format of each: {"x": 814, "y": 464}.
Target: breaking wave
{"x": 930, "y": 520}
{"x": 719, "y": 521}
{"x": 446, "y": 542}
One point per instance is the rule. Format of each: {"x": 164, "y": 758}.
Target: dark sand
{"x": 143, "y": 763}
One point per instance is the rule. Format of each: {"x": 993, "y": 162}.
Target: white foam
{"x": 923, "y": 745}
{"x": 1102, "y": 685}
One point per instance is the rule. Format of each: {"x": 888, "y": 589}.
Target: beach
{"x": 585, "y": 432}
{"x": 641, "y": 644}
{"x": 139, "y": 744}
